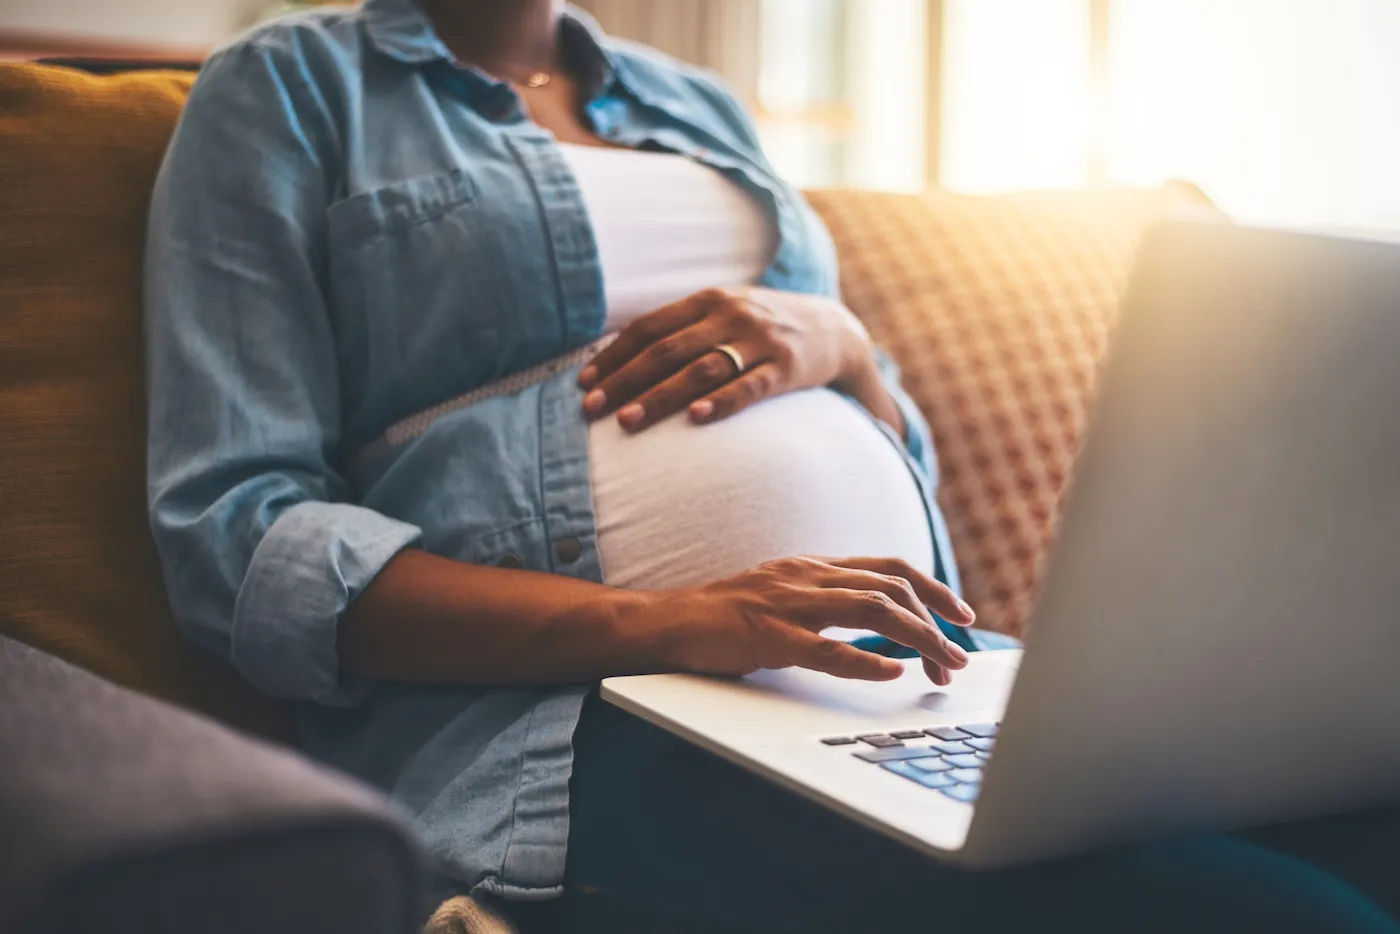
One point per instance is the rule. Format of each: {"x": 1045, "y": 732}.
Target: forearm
{"x": 432, "y": 619}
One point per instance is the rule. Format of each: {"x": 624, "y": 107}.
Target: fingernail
{"x": 702, "y": 408}
{"x": 630, "y": 415}
{"x": 594, "y": 401}
{"x": 587, "y": 376}
{"x": 966, "y": 610}
{"x": 957, "y": 651}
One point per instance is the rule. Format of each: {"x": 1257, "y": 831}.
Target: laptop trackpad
{"x": 984, "y": 684}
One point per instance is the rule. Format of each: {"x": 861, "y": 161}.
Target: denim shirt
{"x": 349, "y": 228}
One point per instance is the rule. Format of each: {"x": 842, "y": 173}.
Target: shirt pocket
{"x": 410, "y": 264}
{"x": 361, "y": 219}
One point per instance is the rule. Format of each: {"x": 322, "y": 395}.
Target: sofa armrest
{"x": 118, "y": 812}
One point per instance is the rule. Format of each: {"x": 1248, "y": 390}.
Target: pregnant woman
{"x": 487, "y": 358}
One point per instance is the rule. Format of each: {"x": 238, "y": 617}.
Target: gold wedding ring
{"x": 734, "y": 355}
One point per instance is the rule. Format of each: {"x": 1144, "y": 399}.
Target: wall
{"x": 174, "y": 22}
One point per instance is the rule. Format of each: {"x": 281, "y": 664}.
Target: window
{"x": 1281, "y": 110}
{"x": 841, "y": 91}
{"x": 1016, "y": 94}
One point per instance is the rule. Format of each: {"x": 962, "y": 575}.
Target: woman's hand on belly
{"x": 668, "y": 360}
{"x": 771, "y": 616}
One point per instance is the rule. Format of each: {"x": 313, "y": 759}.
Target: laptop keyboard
{"x": 948, "y": 759}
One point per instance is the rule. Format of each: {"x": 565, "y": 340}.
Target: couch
{"x": 997, "y": 308}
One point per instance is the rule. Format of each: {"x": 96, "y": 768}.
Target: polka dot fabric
{"x": 998, "y": 310}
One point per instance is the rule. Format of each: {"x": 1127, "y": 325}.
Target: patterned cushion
{"x": 998, "y": 311}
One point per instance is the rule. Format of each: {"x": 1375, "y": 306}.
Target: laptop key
{"x": 953, "y": 749}
{"x": 839, "y": 740}
{"x": 984, "y": 756}
{"x": 947, "y": 733}
{"x": 965, "y": 761}
{"x": 981, "y": 744}
{"x": 907, "y": 734}
{"x": 893, "y": 753}
{"x": 968, "y": 776}
{"x": 930, "y": 764}
{"x": 966, "y": 793}
{"x": 879, "y": 739}
{"x": 927, "y": 779}
{"x": 984, "y": 730}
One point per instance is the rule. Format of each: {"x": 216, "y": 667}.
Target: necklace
{"x": 537, "y": 80}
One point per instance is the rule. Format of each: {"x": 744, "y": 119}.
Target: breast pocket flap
{"x": 365, "y": 217}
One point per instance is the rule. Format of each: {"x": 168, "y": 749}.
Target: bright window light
{"x": 887, "y": 47}
{"x": 842, "y": 91}
{"x": 1016, "y": 94}
{"x": 1283, "y": 111}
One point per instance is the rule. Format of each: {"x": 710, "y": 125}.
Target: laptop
{"x": 1217, "y": 641}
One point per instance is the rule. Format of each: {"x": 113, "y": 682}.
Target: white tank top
{"x": 806, "y": 473}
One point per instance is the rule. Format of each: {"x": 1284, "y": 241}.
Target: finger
{"x": 887, "y": 605}
{"x": 645, "y": 331}
{"x": 911, "y": 626}
{"x": 710, "y": 371}
{"x": 935, "y": 594}
{"x": 754, "y": 385}
{"x": 653, "y": 366}
{"x": 809, "y": 650}
{"x": 937, "y": 673}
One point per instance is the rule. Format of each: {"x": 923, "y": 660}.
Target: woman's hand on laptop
{"x": 771, "y": 617}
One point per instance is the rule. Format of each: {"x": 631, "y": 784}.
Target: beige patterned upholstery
{"x": 463, "y": 915}
{"x": 998, "y": 310}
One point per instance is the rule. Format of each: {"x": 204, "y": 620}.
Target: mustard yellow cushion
{"x": 78, "y": 572}
{"x": 998, "y": 310}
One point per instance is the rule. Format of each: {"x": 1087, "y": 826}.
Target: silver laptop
{"x": 1217, "y": 643}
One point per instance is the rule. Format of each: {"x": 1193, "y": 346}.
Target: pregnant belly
{"x": 805, "y": 473}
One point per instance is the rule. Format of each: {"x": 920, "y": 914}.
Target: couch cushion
{"x": 124, "y": 814}
{"x": 78, "y": 155}
{"x": 998, "y": 310}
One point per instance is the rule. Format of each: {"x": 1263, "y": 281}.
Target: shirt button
{"x": 568, "y": 550}
{"x": 511, "y": 562}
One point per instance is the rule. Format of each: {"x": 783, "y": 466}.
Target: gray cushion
{"x": 118, "y": 812}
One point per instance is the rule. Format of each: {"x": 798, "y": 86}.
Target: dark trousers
{"x": 665, "y": 837}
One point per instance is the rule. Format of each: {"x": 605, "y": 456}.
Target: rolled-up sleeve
{"x": 261, "y": 549}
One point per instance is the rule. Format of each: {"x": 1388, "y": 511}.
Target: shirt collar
{"x": 401, "y": 30}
